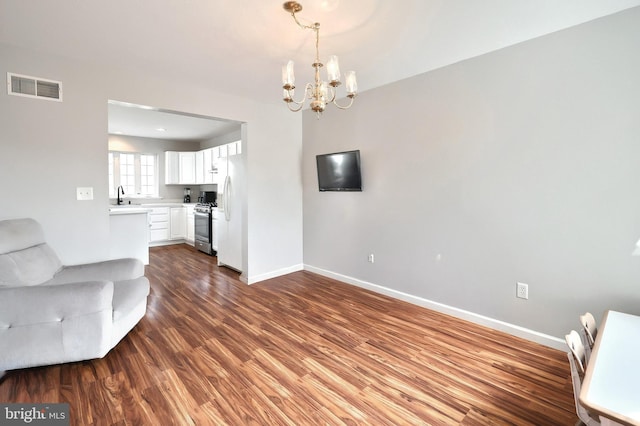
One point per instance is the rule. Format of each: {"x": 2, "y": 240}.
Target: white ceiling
{"x": 238, "y": 47}
{"x": 146, "y": 122}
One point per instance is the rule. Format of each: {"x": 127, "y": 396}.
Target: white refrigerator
{"x": 230, "y": 189}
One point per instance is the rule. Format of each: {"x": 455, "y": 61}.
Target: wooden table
{"x": 611, "y": 386}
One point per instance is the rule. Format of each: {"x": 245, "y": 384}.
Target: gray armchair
{"x": 51, "y": 313}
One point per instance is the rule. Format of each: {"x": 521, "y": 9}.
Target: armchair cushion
{"x": 50, "y": 324}
{"x": 31, "y": 266}
{"x": 112, "y": 270}
{"x": 19, "y": 234}
{"x": 22, "y": 306}
{"x": 127, "y": 294}
{"x": 25, "y": 257}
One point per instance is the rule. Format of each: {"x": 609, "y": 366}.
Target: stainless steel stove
{"x": 203, "y": 217}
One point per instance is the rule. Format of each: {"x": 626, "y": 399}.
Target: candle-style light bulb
{"x": 288, "y": 77}
{"x": 324, "y": 91}
{"x": 352, "y": 85}
{"x": 333, "y": 70}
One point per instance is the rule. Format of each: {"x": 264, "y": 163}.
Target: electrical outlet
{"x": 371, "y": 259}
{"x": 84, "y": 193}
{"x": 522, "y": 290}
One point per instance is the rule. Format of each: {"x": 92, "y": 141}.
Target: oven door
{"x": 202, "y": 232}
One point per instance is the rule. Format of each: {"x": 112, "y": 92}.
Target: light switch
{"x": 84, "y": 193}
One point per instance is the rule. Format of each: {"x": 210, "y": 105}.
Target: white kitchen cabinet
{"x": 215, "y": 223}
{"x": 178, "y": 224}
{"x": 232, "y": 149}
{"x": 159, "y": 224}
{"x": 200, "y": 167}
{"x": 171, "y": 167}
{"x": 225, "y": 151}
{"x": 215, "y": 153}
{"x": 190, "y": 225}
{"x": 210, "y": 165}
{"x": 129, "y": 234}
{"x": 187, "y": 167}
{"x": 180, "y": 168}
{"x": 170, "y": 224}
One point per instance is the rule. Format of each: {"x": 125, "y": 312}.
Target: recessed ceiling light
{"x": 161, "y": 129}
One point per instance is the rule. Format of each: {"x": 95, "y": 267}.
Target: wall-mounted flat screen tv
{"x": 339, "y": 171}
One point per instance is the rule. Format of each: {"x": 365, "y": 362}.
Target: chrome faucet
{"x": 119, "y": 200}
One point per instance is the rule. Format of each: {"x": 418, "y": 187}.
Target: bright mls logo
{"x": 34, "y": 414}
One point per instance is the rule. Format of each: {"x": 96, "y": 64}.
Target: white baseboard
{"x": 495, "y": 324}
{"x": 273, "y": 274}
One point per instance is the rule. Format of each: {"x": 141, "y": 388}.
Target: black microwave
{"x": 207, "y": 197}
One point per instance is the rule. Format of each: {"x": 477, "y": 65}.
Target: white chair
{"x": 585, "y": 342}
{"x": 577, "y": 359}
{"x": 583, "y": 414}
{"x": 51, "y": 313}
{"x": 590, "y": 328}
{"x": 577, "y": 349}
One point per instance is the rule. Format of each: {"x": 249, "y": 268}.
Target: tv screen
{"x": 339, "y": 171}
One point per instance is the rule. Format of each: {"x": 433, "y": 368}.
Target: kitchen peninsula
{"x": 135, "y": 227}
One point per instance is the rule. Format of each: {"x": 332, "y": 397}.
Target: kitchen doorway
{"x": 140, "y": 130}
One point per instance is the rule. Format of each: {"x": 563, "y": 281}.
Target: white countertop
{"x": 143, "y": 208}
{"x": 118, "y": 210}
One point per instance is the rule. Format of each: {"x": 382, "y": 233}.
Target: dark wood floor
{"x": 299, "y": 350}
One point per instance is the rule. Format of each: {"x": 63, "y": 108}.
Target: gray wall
{"x": 519, "y": 165}
{"x": 223, "y": 139}
{"x": 47, "y": 149}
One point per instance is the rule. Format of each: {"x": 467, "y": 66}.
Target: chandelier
{"x": 320, "y": 92}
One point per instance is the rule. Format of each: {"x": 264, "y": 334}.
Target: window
{"x": 137, "y": 173}
{"x": 112, "y": 182}
{"x": 127, "y": 173}
{"x": 148, "y": 174}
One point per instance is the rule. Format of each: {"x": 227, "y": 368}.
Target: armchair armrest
{"x": 21, "y": 306}
{"x": 111, "y": 270}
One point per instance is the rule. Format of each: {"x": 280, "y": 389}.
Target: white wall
{"x": 47, "y": 149}
{"x": 519, "y": 165}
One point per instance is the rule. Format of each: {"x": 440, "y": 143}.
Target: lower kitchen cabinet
{"x": 178, "y": 225}
{"x": 129, "y": 235}
{"x": 170, "y": 224}
{"x": 190, "y": 225}
{"x": 159, "y": 224}
{"x": 215, "y": 219}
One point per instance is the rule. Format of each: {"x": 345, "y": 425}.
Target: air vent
{"x": 34, "y": 87}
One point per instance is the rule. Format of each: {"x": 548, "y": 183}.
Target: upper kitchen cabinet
{"x": 210, "y": 165}
{"x": 187, "y": 167}
{"x": 180, "y": 168}
{"x": 198, "y": 167}
{"x": 206, "y": 166}
{"x": 225, "y": 153}
{"x": 234, "y": 148}
{"x": 171, "y": 167}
